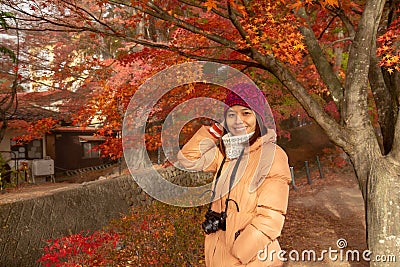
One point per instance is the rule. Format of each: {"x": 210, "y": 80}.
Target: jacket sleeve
{"x": 200, "y": 153}
{"x": 271, "y": 208}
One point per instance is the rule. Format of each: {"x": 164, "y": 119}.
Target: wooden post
{"x": 320, "y": 168}
{"x": 292, "y": 175}
{"x": 308, "y": 172}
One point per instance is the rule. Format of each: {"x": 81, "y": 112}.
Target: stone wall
{"x": 26, "y": 224}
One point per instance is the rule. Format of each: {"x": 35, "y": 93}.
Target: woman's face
{"x": 240, "y": 120}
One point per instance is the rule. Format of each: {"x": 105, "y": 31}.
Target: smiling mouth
{"x": 240, "y": 129}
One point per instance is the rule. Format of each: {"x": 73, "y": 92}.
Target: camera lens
{"x": 215, "y": 225}
{"x": 208, "y": 227}
{"x": 214, "y": 222}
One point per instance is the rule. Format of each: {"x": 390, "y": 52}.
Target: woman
{"x": 251, "y": 188}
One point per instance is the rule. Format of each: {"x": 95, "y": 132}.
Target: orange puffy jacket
{"x": 261, "y": 190}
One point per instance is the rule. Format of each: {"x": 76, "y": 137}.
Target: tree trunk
{"x": 382, "y": 205}
{"x": 338, "y": 54}
{"x": 383, "y": 211}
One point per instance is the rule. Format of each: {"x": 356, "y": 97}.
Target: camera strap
{"x": 216, "y": 181}
{"x": 231, "y": 181}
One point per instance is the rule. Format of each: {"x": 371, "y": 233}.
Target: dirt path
{"x": 29, "y": 190}
{"x": 319, "y": 215}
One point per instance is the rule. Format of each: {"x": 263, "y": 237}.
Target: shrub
{"x": 79, "y": 250}
{"x": 154, "y": 235}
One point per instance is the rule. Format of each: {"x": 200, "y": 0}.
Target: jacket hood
{"x": 269, "y": 137}
{"x": 266, "y": 144}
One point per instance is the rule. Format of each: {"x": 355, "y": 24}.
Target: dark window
{"x": 90, "y": 150}
{"x": 31, "y": 150}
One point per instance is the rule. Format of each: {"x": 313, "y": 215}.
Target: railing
{"x": 308, "y": 173}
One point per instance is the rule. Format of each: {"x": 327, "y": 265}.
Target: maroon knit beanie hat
{"x": 247, "y": 95}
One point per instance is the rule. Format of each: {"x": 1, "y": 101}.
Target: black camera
{"x": 214, "y": 221}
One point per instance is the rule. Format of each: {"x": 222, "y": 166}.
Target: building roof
{"x": 32, "y": 106}
{"x": 75, "y": 129}
{"x": 89, "y": 138}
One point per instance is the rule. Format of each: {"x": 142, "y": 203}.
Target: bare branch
{"x": 93, "y": 17}
{"x": 236, "y": 23}
{"x": 346, "y": 21}
{"x": 181, "y": 52}
{"x": 162, "y": 14}
{"x": 339, "y": 41}
{"x": 333, "y": 129}
{"x": 384, "y": 101}
{"x": 324, "y": 68}
{"x": 326, "y": 27}
{"x": 194, "y": 4}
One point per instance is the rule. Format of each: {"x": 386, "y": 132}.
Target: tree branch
{"x": 335, "y": 131}
{"x": 157, "y": 12}
{"x": 62, "y": 27}
{"x": 217, "y": 12}
{"x": 326, "y": 28}
{"x": 323, "y": 67}
{"x": 188, "y": 55}
{"x": 92, "y": 16}
{"x": 395, "y": 153}
{"x": 162, "y": 14}
{"x": 356, "y": 115}
{"x": 236, "y": 23}
{"x": 193, "y": 4}
{"x": 340, "y": 40}
{"x": 346, "y": 21}
{"x": 384, "y": 102}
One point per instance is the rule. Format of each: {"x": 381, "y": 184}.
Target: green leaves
{"x": 3, "y": 22}
{"x": 3, "y": 17}
{"x": 8, "y": 52}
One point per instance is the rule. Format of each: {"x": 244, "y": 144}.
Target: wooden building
{"x": 73, "y": 148}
